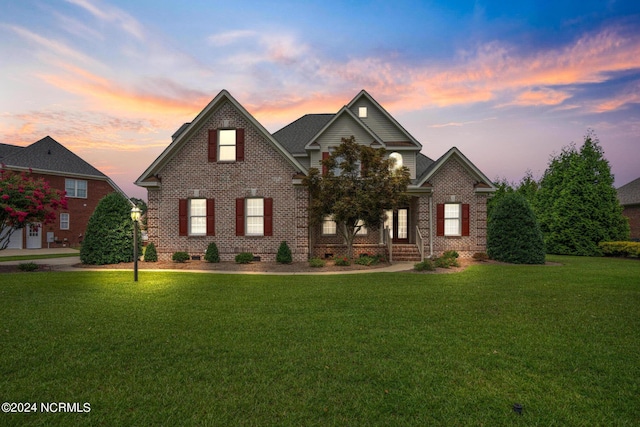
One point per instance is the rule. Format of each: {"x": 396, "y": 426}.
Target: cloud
{"x": 230, "y": 37}
{"x": 619, "y": 100}
{"x": 112, "y": 14}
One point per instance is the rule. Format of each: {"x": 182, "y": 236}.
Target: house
{"x": 224, "y": 178}
{"x": 629, "y": 197}
{"x": 65, "y": 171}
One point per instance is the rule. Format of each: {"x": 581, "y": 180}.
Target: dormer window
{"x": 362, "y": 112}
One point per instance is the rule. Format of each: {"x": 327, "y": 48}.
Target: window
{"x": 197, "y": 217}
{"x": 329, "y": 226}
{"x": 398, "y": 160}
{"x": 362, "y": 112}
{"x": 227, "y": 145}
{"x": 452, "y": 219}
{"x": 64, "y": 221}
{"x": 363, "y": 230}
{"x": 255, "y": 217}
{"x": 76, "y": 188}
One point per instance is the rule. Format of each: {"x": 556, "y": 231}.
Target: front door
{"x": 401, "y": 225}
{"x": 398, "y": 223}
{"x": 34, "y": 237}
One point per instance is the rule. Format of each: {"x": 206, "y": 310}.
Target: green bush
{"x": 244, "y": 258}
{"x": 426, "y": 265}
{"x": 316, "y": 262}
{"x": 513, "y": 232}
{"x": 109, "y": 235}
{"x": 28, "y": 266}
{"x": 620, "y": 249}
{"x": 447, "y": 260}
{"x": 150, "y": 253}
{"x": 212, "y": 255}
{"x": 284, "y": 254}
{"x": 180, "y": 257}
{"x": 366, "y": 260}
{"x": 342, "y": 261}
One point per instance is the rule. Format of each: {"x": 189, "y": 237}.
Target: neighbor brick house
{"x": 63, "y": 170}
{"x": 629, "y": 197}
{"x": 225, "y": 179}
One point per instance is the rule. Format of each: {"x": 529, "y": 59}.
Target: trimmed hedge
{"x": 180, "y": 257}
{"x": 244, "y": 258}
{"x": 284, "y": 254}
{"x": 620, "y": 249}
{"x": 150, "y": 254}
{"x": 212, "y": 254}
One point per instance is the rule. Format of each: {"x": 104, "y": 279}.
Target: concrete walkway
{"x": 67, "y": 264}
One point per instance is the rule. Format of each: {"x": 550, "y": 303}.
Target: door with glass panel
{"x": 398, "y": 224}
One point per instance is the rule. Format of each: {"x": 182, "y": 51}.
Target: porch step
{"x": 405, "y": 253}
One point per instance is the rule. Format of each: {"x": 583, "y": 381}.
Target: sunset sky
{"x": 508, "y": 84}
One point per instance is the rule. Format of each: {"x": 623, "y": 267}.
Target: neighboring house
{"x": 629, "y": 197}
{"x": 65, "y": 171}
{"x": 224, "y": 178}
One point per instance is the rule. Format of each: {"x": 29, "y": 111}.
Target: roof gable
{"x": 49, "y": 156}
{"x": 629, "y": 194}
{"x": 484, "y": 184}
{"x": 342, "y": 114}
{"x": 390, "y": 132}
{"x": 187, "y": 130}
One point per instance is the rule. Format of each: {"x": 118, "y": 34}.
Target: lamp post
{"x": 135, "y": 216}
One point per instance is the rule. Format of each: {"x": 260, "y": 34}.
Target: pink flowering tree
{"x": 26, "y": 200}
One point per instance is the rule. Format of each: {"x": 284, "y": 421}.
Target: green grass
{"x": 370, "y": 349}
{"x": 39, "y": 256}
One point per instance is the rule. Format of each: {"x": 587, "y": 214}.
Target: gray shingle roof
{"x": 48, "y": 155}
{"x": 423, "y": 166}
{"x": 296, "y": 135}
{"x": 629, "y": 194}
{"x": 6, "y": 150}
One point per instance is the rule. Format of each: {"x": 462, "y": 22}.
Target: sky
{"x": 508, "y": 83}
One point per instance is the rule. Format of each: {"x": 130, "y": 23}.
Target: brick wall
{"x": 633, "y": 214}
{"x": 453, "y": 183}
{"x": 79, "y": 210}
{"x": 263, "y": 173}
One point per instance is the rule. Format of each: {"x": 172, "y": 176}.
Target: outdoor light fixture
{"x": 135, "y": 216}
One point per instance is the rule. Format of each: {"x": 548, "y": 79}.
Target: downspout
{"x": 430, "y": 226}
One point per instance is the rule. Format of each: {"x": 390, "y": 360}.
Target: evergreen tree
{"x": 577, "y": 203}
{"x": 513, "y": 232}
{"x": 212, "y": 254}
{"x": 150, "y": 254}
{"x": 284, "y": 254}
{"x": 109, "y": 235}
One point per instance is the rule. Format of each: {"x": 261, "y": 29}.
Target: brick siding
{"x": 633, "y": 214}
{"x": 263, "y": 173}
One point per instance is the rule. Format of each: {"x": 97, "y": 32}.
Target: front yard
{"x": 366, "y": 349}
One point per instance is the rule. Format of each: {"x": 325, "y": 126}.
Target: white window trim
{"x": 457, "y": 218}
{"x": 75, "y": 188}
{"x": 191, "y": 216}
{"x": 247, "y": 216}
{"x": 67, "y": 221}
{"x": 226, "y": 144}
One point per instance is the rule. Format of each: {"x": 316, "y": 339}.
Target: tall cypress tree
{"x": 577, "y": 204}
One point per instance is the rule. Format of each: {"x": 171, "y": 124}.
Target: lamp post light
{"x": 135, "y": 216}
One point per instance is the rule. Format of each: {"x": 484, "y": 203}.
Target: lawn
{"x": 369, "y": 349}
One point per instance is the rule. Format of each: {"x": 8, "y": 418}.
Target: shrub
{"x": 109, "y": 235}
{"x": 447, "y": 260}
{"x": 212, "y": 254}
{"x": 480, "y": 256}
{"x": 244, "y": 258}
{"x": 366, "y": 260}
{"x": 28, "y": 266}
{"x": 513, "y": 232}
{"x": 150, "y": 254}
{"x": 316, "y": 262}
{"x": 284, "y": 254}
{"x": 180, "y": 257}
{"x": 620, "y": 249}
{"x": 342, "y": 261}
{"x": 426, "y": 265}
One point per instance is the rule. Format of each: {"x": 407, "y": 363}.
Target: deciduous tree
{"x": 26, "y": 200}
{"x": 355, "y": 188}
